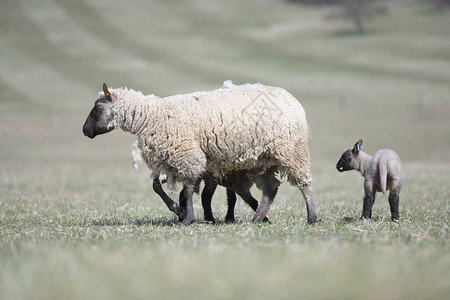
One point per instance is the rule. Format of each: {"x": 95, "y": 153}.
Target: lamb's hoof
{"x": 312, "y": 220}
{"x": 208, "y": 222}
{"x": 182, "y": 214}
{"x": 230, "y": 220}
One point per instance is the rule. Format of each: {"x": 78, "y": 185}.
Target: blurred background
{"x": 376, "y": 70}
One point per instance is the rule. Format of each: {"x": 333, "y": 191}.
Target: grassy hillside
{"x": 77, "y": 222}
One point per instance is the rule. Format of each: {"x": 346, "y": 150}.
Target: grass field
{"x": 77, "y": 223}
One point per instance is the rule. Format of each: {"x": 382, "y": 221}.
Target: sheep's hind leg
{"x": 307, "y": 195}
{"x": 188, "y": 189}
{"x": 172, "y": 205}
{"x": 269, "y": 188}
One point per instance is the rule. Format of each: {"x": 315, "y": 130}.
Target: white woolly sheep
{"x": 248, "y": 127}
{"x": 381, "y": 173}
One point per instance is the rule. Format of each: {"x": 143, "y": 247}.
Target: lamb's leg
{"x": 394, "y": 198}
{"x": 188, "y": 189}
{"x": 172, "y": 205}
{"x": 208, "y": 192}
{"x": 231, "y": 199}
{"x": 393, "y": 203}
{"x": 269, "y": 189}
{"x": 252, "y": 202}
{"x": 307, "y": 195}
{"x": 182, "y": 201}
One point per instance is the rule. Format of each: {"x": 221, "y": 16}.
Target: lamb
{"x": 238, "y": 182}
{"x": 381, "y": 173}
{"x": 186, "y": 136}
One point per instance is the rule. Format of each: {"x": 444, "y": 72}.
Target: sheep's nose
{"x": 340, "y": 168}
{"x": 89, "y": 133}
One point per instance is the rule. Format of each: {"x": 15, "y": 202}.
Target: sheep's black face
{"x": 99, "y": 120}
{"x": 347, "y": 162}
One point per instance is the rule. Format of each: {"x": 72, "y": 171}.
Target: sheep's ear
{"x": 108, "y": 95}
{"x": 357, "y": 147}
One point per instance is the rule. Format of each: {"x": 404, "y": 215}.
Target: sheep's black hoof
{"x": 266, "y": 220}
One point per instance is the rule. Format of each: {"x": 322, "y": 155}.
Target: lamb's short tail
{"x": 383, "y": 178}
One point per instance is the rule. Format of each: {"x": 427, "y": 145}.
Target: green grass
{"x": 77, "y": 223}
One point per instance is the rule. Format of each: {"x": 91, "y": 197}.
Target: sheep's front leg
{"x": 188, "y": 189}
{"x": 252, "y": 202}
{"x": 307, "y": 195}
{"x": 172, "y": 205}
{"x": 182, "y": 200}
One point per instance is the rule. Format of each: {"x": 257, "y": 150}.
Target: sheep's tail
{"x": 383, "y": 178}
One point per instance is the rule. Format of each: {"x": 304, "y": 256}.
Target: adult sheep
{"x": 248, "y": 127}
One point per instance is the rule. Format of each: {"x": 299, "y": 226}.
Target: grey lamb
{"x": 381, "y": 172}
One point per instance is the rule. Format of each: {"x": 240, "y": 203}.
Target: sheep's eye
{"x": 98, "y": 112}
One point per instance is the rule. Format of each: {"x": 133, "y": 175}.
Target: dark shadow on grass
{"x": 348, "y": 220}
{"x": 137, "y": 222}
{"x": 224, "y": 223}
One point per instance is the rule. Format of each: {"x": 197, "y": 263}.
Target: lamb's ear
{"x": 108, "y": 95}
{"x": 357, "y": 147}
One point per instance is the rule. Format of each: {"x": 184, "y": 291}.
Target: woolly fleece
{"x": 245, "y": 127}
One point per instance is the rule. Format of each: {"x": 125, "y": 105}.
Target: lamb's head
{"x": 101, "y": 118}
{"x": 350, "y": 159}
